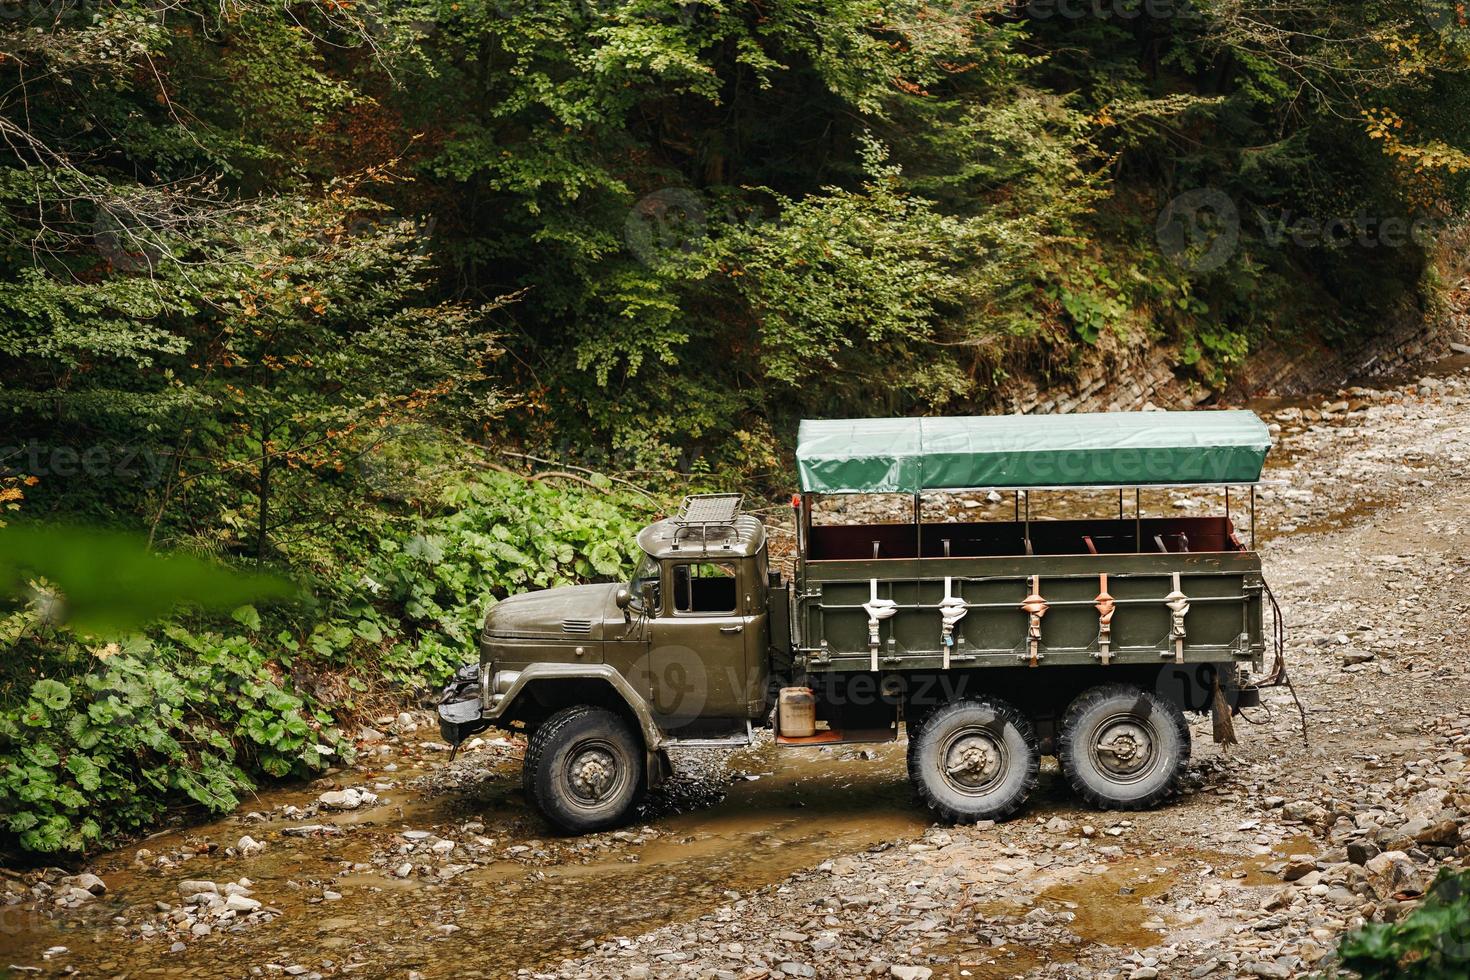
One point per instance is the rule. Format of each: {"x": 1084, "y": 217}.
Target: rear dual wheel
{"x": 1122, "y": 747}
{"x": 976, "y": 759}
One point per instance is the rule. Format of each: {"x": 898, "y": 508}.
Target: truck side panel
{"x": 1224, "y": 621}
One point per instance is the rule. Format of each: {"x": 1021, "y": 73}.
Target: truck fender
{"x": 497, "y": 704}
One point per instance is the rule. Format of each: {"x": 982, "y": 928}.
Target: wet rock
{"x": 88, "y": 882}
{"x": 1298, "y": 866}
{"x": 910, "y": 972}
{"x": 1359, "y": 851}
{"x": 249, "y": 847}
{"x": 347, "y": 799}
{"x": 189, "y": 889}
{"x": 312, "y": 830}
{"x": 241, "y": 904}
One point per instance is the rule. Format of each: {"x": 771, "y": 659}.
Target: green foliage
{"x": 110, "y": 583}
{"x": 98, "y": 740}
{"x": 850, "y": 281}
{"x": 500, "y": 534}
{"x": 1431, "y": 943}
{"x": 136, "y": 726}
{"x": 273, "y": 277}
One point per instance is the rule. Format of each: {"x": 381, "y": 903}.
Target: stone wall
{"x": 1117, "y": 375}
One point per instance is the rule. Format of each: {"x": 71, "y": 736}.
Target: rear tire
{"x": 976, "y": 759}
{"x": 1122, "y": 747}
{"x": 584, "y": 769}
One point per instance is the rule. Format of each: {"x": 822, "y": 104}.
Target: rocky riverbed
{"x": 817, "y": 863}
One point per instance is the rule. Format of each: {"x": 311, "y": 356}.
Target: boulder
{"x": 241, "y": 903}
{"x": 1392, "y": 873}
{"x": 90, "y": 882}
{"x": 346, "y": 799}
{"x": 1298, "y": 866}
{"x": 1445, "y": 833}
{"x": 1304, "y": 810}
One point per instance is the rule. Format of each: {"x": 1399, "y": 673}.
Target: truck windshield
{"x": 647, "y": 571}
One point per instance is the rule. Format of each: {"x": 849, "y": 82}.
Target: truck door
{"x": 698, "y": 657}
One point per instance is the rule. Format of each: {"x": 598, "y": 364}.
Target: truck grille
{"x": 576, "y": 626}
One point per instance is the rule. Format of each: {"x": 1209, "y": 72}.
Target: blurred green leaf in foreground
{"x": 111, "y": 583}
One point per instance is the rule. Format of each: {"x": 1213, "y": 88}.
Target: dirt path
{"x": 813, "y": 863}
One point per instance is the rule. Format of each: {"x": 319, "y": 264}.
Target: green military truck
{"x": 990, "y": 643}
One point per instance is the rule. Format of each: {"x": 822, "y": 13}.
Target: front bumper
{"x": 460, "y": 711}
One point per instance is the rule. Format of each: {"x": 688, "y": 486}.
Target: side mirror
{"x": 650, "y": 598}
{"x": 623, "y": 598}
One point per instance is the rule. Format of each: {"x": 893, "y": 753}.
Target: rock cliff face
{"x": 1117, "y": 375}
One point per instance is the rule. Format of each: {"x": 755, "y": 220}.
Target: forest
{"x": 399, "y": 307}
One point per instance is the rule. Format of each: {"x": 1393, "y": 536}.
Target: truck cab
{"x": 988, "y": 642}
{"x": 681, "y": 653}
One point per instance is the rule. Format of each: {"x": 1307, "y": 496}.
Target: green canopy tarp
{"x": 1122, "y": 449}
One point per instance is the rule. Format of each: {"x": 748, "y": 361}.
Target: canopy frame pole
{"x": 1027, "y": 539}
{"x": 803, "y": 539}
{"x": 1253, "y": 517}
{"x": 1120, "y": 503}
{"x": 918, "y": 547}
{"x": 1137, "y": 520}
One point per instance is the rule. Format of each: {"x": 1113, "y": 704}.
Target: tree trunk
{"x": 263, "y": 493}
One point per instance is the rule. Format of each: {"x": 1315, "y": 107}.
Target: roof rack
{"x": 707, "y": 516}
{"x": 709, "y": 508}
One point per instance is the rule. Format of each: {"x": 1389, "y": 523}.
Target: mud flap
{"x": 658, "y": 768}
{"x": 1220, "y": 712}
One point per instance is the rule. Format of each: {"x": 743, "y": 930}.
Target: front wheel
{"x": 584, "y": 769}
{"x": 974, "y": 760}
{"x": 1122, "y": 747}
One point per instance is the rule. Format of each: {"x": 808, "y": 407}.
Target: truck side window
{"x": 707, "y": 587}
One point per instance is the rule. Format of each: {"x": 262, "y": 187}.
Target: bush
{"x": 104, "y": 751}
{"x": 98, "y": 740}
{"x": 1431, "y": 943}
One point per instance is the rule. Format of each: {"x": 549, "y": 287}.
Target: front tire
{"x": 584, "y": 769}
{"x": 1122, "y": 747}
{"x": 974, "y": 760}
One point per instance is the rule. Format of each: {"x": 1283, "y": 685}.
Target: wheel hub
{"x": 973, "y": 761}
{"x": 592, "y": 774}
{"x": 1124, "y": 747}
